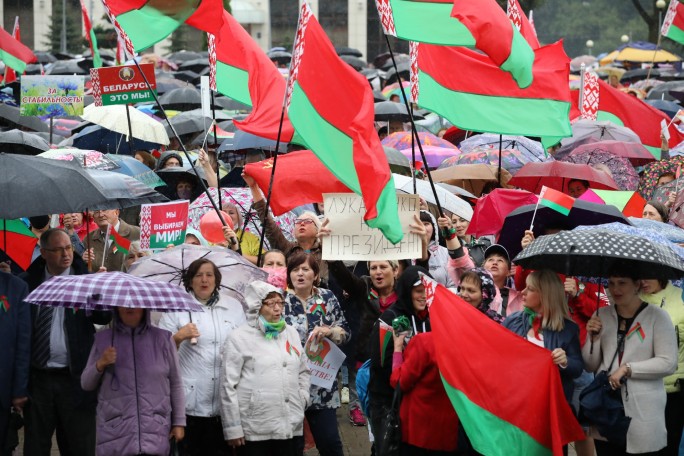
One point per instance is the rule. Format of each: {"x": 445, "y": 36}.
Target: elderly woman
{"x": 545, "y": 321}
{"x": 134, "y": 254}
{"x": 315, "y": 313}
{"x": 134, "y": 368}
{"x": 265, "y": 379}
{"x": 199, "y": 339}
{"x": 663, "y": 294}
{"x": 635, "y": 344}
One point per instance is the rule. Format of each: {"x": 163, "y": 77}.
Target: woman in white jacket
{"x": 265, "y": 380}
{"x": 200, "y": 338}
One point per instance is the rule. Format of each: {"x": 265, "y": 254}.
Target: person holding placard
{"x": 316, "y": 314}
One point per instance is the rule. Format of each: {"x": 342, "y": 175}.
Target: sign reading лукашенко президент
{"x": 123, "y": 84}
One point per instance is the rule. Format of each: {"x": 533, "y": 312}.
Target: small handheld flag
{"x": 558, "y": 201}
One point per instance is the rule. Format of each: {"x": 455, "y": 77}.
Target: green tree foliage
{"x": 74, "y": 28}
{"x": 105, "y": 34}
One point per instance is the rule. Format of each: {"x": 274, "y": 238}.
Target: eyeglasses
{"x": 68, "y": 248}
{"x": 275, "y": 302}
{"x": 303, "y": 222}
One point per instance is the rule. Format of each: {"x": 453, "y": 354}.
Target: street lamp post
{"x": 63, "y": 35}
{"x": 589, "y": 44}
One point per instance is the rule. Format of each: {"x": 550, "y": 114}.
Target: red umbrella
{"x": 557, "y": 174}
{"x": 491, "y": 210}
{"x": 636, "y": 153}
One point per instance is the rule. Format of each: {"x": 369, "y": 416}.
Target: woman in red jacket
{"x": 429, "y": 424}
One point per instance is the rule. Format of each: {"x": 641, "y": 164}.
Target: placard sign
{"x": 324, "y": 359}
{"x": 123, "y": 84}
{"x": 51, "y": 96}
{"x": 352, "y": 239}
{"x": 163, "y": 224}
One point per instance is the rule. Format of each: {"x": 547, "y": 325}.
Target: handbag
{"x": 391, "y": 433}
{"x": 174, "y": 450}
{"x": 601, "y": 406}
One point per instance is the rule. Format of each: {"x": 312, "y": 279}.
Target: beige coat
{"x": 651, "y": 359}
{"x": 115, "y": 260}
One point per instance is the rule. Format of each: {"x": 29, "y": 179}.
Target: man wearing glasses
{"x": 60, "y": 345}
{"x": 101, "y": 246}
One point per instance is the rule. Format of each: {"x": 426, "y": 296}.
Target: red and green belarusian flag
{"x": 90, "y": 36}
{"x": 17, "y": 241}
{"x": 339, "y": 128}
{"x": 10, "y": 74}
{"x": 558, "y": 201}
{"x": 622, "y": 109}
{"x": 481, "y": 24}
{"x": 13, "y": 53}
{"x": 517, "y": 16}
{"x": 147, "y": 22}
{"x": 475, "y": 347}
{"x": 482, "y": 97}
{"x": 673, "y": 25}
{"x": 239, "y": 69}
{"x": 385, "y": 332}
{"x": 120, "y": 242}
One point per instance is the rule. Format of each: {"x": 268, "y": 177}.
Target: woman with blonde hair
{"x": 545, "y": 321}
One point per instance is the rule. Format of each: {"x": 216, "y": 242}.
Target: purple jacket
{"x": 141, "y": 396}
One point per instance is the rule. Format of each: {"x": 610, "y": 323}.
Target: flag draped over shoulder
{"x": 300, "y": 170}
{"x": 517, "y": 16}
{"x": 623, "y": 109}
{"x": 452, "y": 23}
{"x": 481, "y": 97}
{"x": 13, "y": 53}
{"x": 241, "y": 70}
{"x": 474, "y": 347}
{"x": 90, "y": 36}
{"x": 147, "y": 22}
{"x": 673, "y": 24}
{"x": 10, "y": 74}
{"x": 338, "y": 127}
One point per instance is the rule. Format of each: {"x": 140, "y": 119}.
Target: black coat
{"x": 15, "y": 339}
{"x": 78, "y": 326}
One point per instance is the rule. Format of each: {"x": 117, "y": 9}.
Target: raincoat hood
{"x": 165, "y": 156}
{"x": 404, "y": 286}
{"x": 255, "y": 293}
{"x": 198, "y": 235}
{"x": 145, "y": 323}
{"x": 426, "y": 216}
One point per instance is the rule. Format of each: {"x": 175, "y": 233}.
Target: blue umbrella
{"x": 244, "y": 140}
{"x": 670, "y": 232}
{"x": 103, "y": 140}
{"x": 132, "y": 167}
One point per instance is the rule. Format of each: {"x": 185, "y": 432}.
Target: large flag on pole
{"x": 622, "y": 109}
{"x": 673, "y": 25}
{"x": 452, "y": 23}
{"x": 339, "y": 128}
{"x": 517, "y": 16}
{"x": 147, "y": 22}
{"x": 475, "y": 347}
{"x": 13, "y": 53}
{"x": 90, "y": 36}
{"x": 481, "y": 97}
{"x": 241, "y": 70}
{"x": 10, "y": 74}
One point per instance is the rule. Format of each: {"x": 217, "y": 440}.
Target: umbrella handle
{"x": 193, "y": 341}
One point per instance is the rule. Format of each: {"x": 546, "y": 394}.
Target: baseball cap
{"x": 498, "y": 249}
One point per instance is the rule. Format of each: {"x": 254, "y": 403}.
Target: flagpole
{"x": 213, "y": 117}
{"x": 51, "y": 117}
{"x": 413, "y": 127}
{"x": 175, "y": 134}
{"x": 500, "y": 149}
{"x": 106, "y": 244}
{"x": 583, "y": 69}
{"x": 130, "y": 130}
{"x": 534, "y": 214}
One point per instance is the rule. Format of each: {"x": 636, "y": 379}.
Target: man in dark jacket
{"x": 15, "y": 339}
{"x": 60, "y": 344}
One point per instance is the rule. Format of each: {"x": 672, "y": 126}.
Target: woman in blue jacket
{"x": 545, "y": 322}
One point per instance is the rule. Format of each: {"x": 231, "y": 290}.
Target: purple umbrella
{"x": 107, "y": 290}
{"x": 619, "y": 168}
{"x": 433, "y": 154}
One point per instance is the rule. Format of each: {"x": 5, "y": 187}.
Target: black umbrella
{"x": 66, "y": 67}
{"x": 668, "y": 107}
{"x": 389, "y": 110}
{"x": 342, "y": 51}
{"x": 45, "y": 57}
{"x": 399, "y": 58}
{"x": 355, "y": 62}
{"x": 404, "y": 70}
{"x": 378, "y": 96}
{"x": 192, "y": 122}
{"x": 195, "y": 65}
{"x": 663, "y": 91}
{"x": 639, "y": 74}
{"x": 33, "y": 68}
{"x": 230, "y": 104}
{"x": 582, "y": 213}
{"x": 13, "y": 119}
{"x": 167, "y": 84}
{"x": 185, "y": 75}
{"x": 20, "y": 142}
{"x": 183, "y": 56}
{"x": 172, "y": 175}
{"x": 33, "y": 186}
{"x": 183, "y": 99}
{"x": 243, "y": 140}
{"x": 595, "y": 252}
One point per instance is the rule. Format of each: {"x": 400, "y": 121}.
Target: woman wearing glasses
{"x": 315, "y": 313}
{"x": 264, "y": 379}
{"x": 199, "y": 338}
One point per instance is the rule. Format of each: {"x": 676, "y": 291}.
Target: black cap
{"x": 39, "y": 221}
{"x": 499, "y": 250}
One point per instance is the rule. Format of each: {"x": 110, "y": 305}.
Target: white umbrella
{"x": 114, "y": 118}
{"x": 447, "y": 200}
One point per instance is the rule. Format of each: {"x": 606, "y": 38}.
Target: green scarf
{"x": 271, "y": 330}
{"x": 534, "y": 319}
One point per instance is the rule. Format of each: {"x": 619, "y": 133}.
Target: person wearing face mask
{"x": 315, "y": 313}
{"x": 275, "y": 264}
{"x": 199, "y": 338}
{"x": 264, "y": 379}
{"x": 412, "y": 304}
